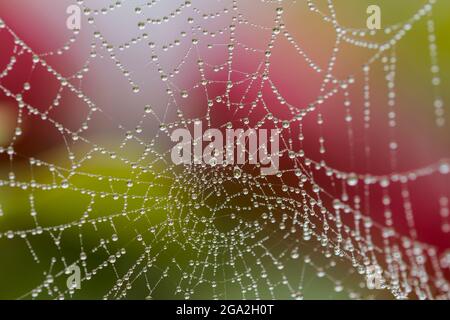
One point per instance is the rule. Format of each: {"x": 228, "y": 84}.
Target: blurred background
{"x": 85, "y": 170}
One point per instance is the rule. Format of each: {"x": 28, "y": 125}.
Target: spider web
{"x": 139, "y": 226}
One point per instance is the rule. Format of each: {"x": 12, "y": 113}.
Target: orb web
{"x": 139, "y": 226}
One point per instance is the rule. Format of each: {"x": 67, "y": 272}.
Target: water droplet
{"x": 338, "y": 288}
{"x": 295, "y": 254}
{"x": 444, "y": 168}
{"x": 237, "y": 172}
{"x": 64, "y": 184}
{"x": 352, "y": 179}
